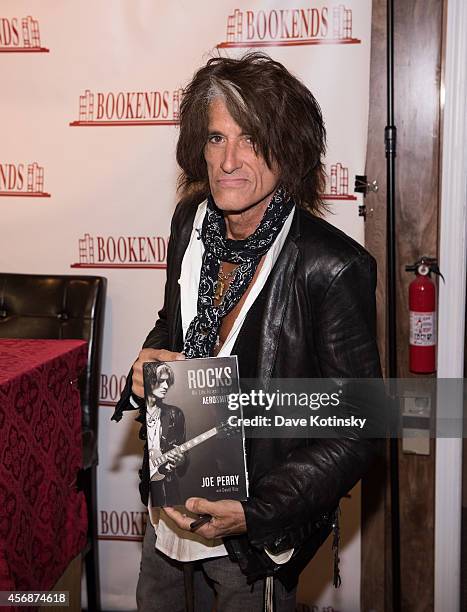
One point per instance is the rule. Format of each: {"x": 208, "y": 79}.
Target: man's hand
{"x": 176, "y": 458}
{"x": 150, "y": 355}
{"x": 228, "y": 517}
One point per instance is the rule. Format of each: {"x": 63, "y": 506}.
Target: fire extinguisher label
{"x": 422, "y": 328}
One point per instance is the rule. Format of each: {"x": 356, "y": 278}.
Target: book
{"x": 196, "y": 448}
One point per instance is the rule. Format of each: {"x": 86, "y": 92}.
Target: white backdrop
{"x": 90, "y": 94}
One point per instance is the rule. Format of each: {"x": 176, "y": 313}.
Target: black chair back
{"x": 60, "y": 307}
{"x": 66, "y": 307}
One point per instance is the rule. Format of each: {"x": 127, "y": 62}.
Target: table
{"x": 43, "y": 520}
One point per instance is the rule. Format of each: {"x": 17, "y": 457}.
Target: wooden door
{"x": 418, "y": 61}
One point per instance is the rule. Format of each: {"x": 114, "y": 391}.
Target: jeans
{"x": 217, "y": 580}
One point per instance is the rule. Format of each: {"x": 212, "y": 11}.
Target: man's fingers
{"x": 144, "y": 356}
{"x": 220, "y": 525}
{"x": 182, "y": 521}
{"x": 138, "y": 390}
{"x": 208, "y": 531}
{"x": 199, "y": 505}
{"x": 137, "y": 387}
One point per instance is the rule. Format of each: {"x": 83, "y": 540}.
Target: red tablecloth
{"x": 43, "y": 519}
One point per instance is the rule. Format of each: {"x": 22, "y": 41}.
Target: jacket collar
{"x": 294, "y": 232}
{"x": 279, "y": 287}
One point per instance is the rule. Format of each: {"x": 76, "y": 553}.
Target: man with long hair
{"x": 254, "y": 271}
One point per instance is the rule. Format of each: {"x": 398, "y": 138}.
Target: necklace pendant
{"x": 219, "y": 289}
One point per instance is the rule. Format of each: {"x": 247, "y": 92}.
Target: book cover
{"x": 193, "y": 449}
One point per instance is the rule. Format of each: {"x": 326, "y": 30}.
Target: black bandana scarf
{"x": 203, "y": 331}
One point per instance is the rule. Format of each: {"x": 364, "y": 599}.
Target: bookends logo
{"x": 21, "y": 180}
{"x": 110, "y": 388}
{"x": 337, "y": 184}
{"x": 128, "y": 108}
{"x": 20, "y": 36}
{"x": 126, "y": 525}
{"x": 122, "y": 252}
{"x": 290, "y": 27}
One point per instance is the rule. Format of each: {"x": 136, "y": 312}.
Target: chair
{"x": 65, "y": 307}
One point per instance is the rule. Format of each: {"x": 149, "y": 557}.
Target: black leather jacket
{"x": 315, "y": 318}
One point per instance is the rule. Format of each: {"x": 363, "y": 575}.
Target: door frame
{"x": 452, "y": 255}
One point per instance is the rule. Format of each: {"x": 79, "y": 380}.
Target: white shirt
{"x": 171, "y": 540}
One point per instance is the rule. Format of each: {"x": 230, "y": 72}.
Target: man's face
{"x": 238, "y": 177}
{"x": 161, "y": 389}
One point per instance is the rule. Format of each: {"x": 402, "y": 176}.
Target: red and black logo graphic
{"x": 122, "y": 252}
{"x": 20, "y": 36}
{"x": 128, "y": 108}
{"x": 126, "y": 525}
{"x": 290, "y": 27}
{"x": 337, "y": 184}
{"x": 21, "y": 180}
{"x": 110, "y": 389}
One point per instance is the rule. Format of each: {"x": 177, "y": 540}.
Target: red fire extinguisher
{"x": 422, "y": 312}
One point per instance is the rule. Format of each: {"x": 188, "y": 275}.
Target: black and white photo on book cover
{"x": 193, "y": 450}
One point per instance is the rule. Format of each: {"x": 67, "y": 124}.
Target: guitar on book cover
{"x": 193, "y": 451}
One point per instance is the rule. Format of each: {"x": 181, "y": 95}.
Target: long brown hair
{"x": 270, "y": 104}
